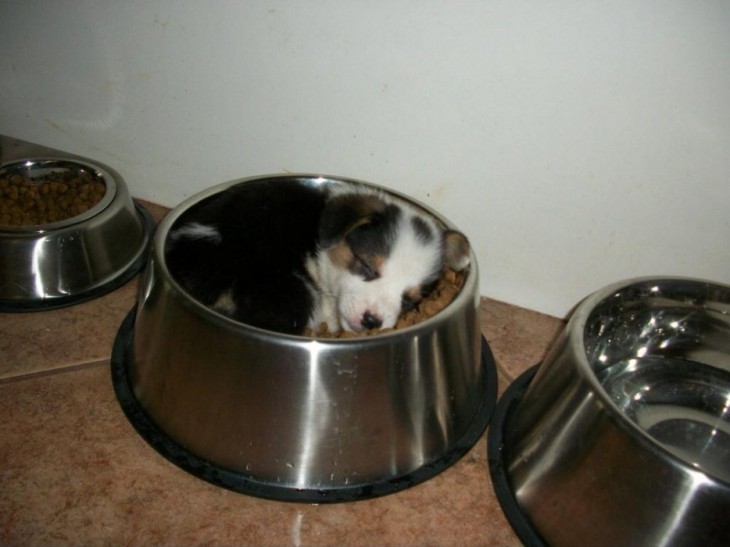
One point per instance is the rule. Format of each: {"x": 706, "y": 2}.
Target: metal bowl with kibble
{"x": 297, "y": 418}
{"x": 69, "y": 232}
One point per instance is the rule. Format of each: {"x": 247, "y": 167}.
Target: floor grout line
{"x": 34, "y": 375}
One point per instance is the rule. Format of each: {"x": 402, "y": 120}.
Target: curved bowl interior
{"x": 627, "y": 421}
{"x": 660, "y": 352}
{"x": 59, "y": 260}
{"x": 297, "y": 413}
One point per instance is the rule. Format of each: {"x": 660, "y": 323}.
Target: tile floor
{"x": 73, "y": 471}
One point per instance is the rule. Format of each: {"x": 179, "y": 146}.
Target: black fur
{"x": 376, "y": 236}
{"x": 367, "y": 222}
{"x": 266, "y": 231}
{"x": 422, "y": 230}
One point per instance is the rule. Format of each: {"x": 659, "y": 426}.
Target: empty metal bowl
{"x": 295, "y": 418}
{"x": 56, "y": 263}
{"x": 623, "y": 435}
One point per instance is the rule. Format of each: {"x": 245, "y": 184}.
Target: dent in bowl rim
{"x": 54, "y": 162}
{"x": 121, "y": 359}
{"x": 160, "y": 240}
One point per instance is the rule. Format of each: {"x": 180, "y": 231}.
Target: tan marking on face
{"x": 373, "y": 261}
{"x": 377, "y": 261}
{"x": 341, "y": 255}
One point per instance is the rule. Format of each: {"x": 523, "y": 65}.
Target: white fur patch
{"x": 225, "y": 303}
{"x": 196, "y": 230}
{"x": 324, "y": 309}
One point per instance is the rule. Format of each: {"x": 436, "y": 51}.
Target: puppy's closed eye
{"x": 364, "y": 269}
{"x": 408, "y": 303}
{"x": 412, "y": 297}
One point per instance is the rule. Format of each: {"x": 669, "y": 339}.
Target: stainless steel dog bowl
{"x": 623, "y": 435}
{"x": 294, "y": 418}
{"x": 66, "y": 262}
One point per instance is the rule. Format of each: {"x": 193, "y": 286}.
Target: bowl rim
{"x": 432, "y": 323}
{"x": 110, "y": 194}
{"x": 576, "y": 331}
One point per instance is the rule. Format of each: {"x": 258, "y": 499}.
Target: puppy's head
{"x": 379, "y": 257}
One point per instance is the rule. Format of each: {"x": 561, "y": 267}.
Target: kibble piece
{"x": 59, "y": 196}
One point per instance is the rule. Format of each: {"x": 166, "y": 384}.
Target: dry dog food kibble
{"x": 447, "y": 288}
{"x": 59, "y": 196}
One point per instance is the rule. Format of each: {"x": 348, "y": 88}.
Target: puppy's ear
{"x": 456, "y": 250}
{"x": 343, "y": 214}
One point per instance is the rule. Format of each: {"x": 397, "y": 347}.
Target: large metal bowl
{"x": 56, "y": 264}
{"x": 623, "y": 435}
{"x": 294, "y": 418}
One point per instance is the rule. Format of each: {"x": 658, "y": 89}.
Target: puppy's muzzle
{"x": 370, "y": 321}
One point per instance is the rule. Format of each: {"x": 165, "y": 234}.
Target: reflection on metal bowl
{"x": 294, "y": 418}
{"x": 623, "y": 435}
{"x": 58, "y": 263}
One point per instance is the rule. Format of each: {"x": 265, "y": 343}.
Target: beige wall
{"x": 576, "y": 143}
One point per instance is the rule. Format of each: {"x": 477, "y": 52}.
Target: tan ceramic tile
{"x": 73, "y": 471}
{"x": 519, "y": 338}
{"x": 46, "y": 340}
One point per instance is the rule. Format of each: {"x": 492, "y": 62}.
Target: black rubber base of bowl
{"x": 495, "y": 457}
{"x": 11, "y": 305}
{"x": 232, "y": 480}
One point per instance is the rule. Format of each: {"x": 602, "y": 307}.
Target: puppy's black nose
{"x": 370, "y": 321}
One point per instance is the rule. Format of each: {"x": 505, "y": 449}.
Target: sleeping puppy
{"x": 284, "y": 256}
